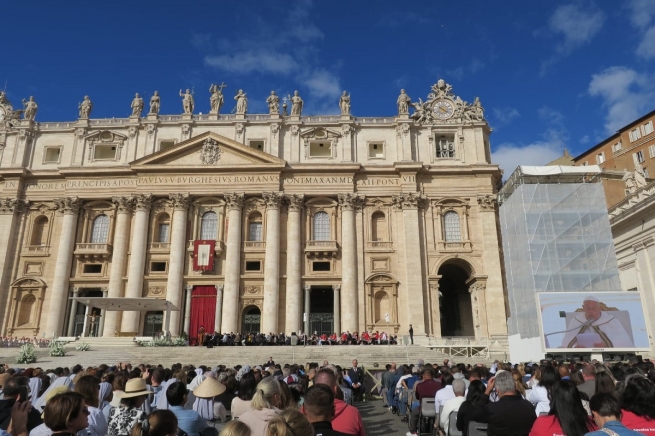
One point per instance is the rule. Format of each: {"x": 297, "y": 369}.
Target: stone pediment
{"x": 208, "y": 150}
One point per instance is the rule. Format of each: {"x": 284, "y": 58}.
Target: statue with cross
{"x": 216, "y": 100}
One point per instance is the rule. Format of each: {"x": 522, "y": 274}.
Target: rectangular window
{"x": 600, "y": 158}
{"x": 445, "y": 146}
{"x": 321, "y": 266}
{"x": 647, "y": 128}
{"x": 635, "y": 134}
{"x": 254, "y": 265}
{"x": 255, "y": 232}
{"x": 92, "y": 269}
{"x": 257, "y": 144}
{"x": 376, "y": 150}
{"x": 164, "y": 232}
{"x": 651, "y": 151}
{"x": 166, "y": 143}
{"x": 638, "y": 157}
{"x": 52, "y": 155}
{"x": 105, "y": 152}
{"x": 320, "y": 149}
{"x": 157, "y": 267}
{"x": 616, "y": 147}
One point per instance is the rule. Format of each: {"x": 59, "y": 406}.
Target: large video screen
{"x": 602, "y": 321}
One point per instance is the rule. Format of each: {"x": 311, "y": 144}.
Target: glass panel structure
{"x": 164, "y": 232}
{"x": 100, "y": 230}
{"x": 321, "y": 226}
{"x": 453, "y": 232}
{"x": 255, "y": 231}
{"x": 209, "y": 226}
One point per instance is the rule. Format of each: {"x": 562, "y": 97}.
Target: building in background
{"x": 556, "y": 238}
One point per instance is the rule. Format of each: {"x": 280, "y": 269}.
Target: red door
{"x": 203, "y": 311}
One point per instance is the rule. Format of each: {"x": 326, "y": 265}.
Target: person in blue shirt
{"x": 606, "y": 411}
{"x": 187, "y": 420}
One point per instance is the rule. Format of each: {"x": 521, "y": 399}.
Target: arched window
{"x": 452, "y": 229}
{"x": 255, "y": 227}
{"x": 40, "y": 231}
{"x": 321, "y": 226}
{"x": 209, "y": 226}
{"x": 100, "y": 229}
{"x": 379, "y": 227}
{"x": 163, "y": 228}
{"x": 25, "y": 312}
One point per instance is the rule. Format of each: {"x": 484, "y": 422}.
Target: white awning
{"x": 127, "y": 304}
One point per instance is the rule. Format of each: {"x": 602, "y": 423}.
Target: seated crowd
{"x": 546, "y": 399}
{"x": 9, "y": 342}
{"x": 150, "y": 400}
{"x": 248, "y": 339}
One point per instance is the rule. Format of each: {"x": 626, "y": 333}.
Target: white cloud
{"x": 625, "y": 93}
{"x": 506, "y": 114}
{"x": 585, "y": 139}
{"x": 646, "y": 48}
{"x": 641, "y": 12}
{"x": 577, "y": 24}
{"x": 509, "y": 156}
{"x": 253, "y": 61}
{"x": 473, "y": 67}
{"x": 322, "y": 84}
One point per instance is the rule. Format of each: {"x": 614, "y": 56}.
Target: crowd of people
{"x": 248, "y": 339}
{"x": 543, "y": 399}
{"x": 150, "y": 400}
{"x": 14, "y": 342}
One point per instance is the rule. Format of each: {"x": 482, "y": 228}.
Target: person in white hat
{"x": 609, "y": 331}
{"x": 127, "y": 414}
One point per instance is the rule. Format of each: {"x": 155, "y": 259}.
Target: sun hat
{"x": 135, "y": 387}
{"x": 209, "y": 388}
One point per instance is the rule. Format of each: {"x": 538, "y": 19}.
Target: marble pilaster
{"x": 136, "y": 269}
{"x": 294, "y": 264}
{"x": 349, "y": 311}
{"x": 180, "y": 203}
{"x": 272, "y": 262}
{"x": 234, "y": 202}
{"x": 69, "y": 207}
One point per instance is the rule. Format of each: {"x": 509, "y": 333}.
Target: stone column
{"x": 294, "y": 264}
{"x": 410, "y": 203}
{"x": 136, "y": 269}
{"x": 435, "y": 308}
{"x": 10, "y": 229}
{"x": 69, "y": 207}
{"x": 479, "y": 309}
{"x": 272, "y": 263}
{"x": 348, "y": 203}
{"x": 85, "y": 326}
{"x": 103, "y": 314}
{"x": 337, "y": 309}
{"x": 178, "y": 255}
{"x": 308, "y": 293}
{"x": 124, "y": 208}
{"x": 234, "y": 203}
{"x": 187, "y": 309}
{"x": 71, "y": 316}
{"x": 218, "y": 317}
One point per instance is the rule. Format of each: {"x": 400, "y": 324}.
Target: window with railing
{"x": 452, "y": 228}
{"x": 255, "y": 228}
{"x": 445, "y": 146}
{"x": 209, "y": 226}
{"x": 100, "y": 229}
{"x": 321, "y": 226}
{"x": 163, "y": 228}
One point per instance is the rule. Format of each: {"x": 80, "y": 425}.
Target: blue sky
{"x": 550, "y": 74}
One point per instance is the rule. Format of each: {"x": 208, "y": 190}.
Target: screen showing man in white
{"x": 595, "y": 328}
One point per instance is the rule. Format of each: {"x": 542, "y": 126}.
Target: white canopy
{"x": 127, "y": 304}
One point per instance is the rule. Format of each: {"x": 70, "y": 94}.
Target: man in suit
{"x": 411, "y": 334}
{"x": 357, "y": 380}
{"x": 270, "y": 362}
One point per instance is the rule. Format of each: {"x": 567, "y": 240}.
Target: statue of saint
{"x": 273, "y": 102}
{"x": 242, "y": 102}
{"x": 137, "y": 106}
{"x": 154, "y": 104}
{"x": 29, "y": 109}
{"x": 344, "y": 103}
{"x": 216, "y": 100}
{"x": 85, "y": 107}
{"x": 187, "y": 102}
{"x": 403, "y": 103}
{"x": 296, "y": 105}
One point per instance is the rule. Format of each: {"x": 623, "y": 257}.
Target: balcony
{"x": 35, "y": 250}
{"x": 254, "y": 246}
{"x": 218, "y": 247}
{"x": 379, "y": 246}
{"x": 455, "y": 247}
{"x": 159, "y": 247}
{"x": 93, "y": 251}
{"x": 318, "y": 248}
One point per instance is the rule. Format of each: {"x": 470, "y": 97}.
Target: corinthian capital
{"x": 295, "y": 202}
{"x": 143, "y": 202}
{"x": 123, "y": 204}
{"x": 180, "y": 201}
{"x": 408, "y": 200}
{"x": 350, "y": 201}
{"x": 10, "y": 205}
{"x": 234, "y": 200}
{"x": 273, "y": 199}
{"x": 68, "y": 205}
{"x": 487, "y": 202}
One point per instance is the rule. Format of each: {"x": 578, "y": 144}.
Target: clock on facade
{"x": 444, "y": 109}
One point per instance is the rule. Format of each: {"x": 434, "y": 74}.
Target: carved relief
{"x": 402, "y": 130}
{"x": 253, "y": 290}
{"x": 239, "y": 128}
{"x": 487, "y": 202}
{"x": 156, "y": 291}
{"x": 346, "y": 130}
{"x": 350, "y": 201}
{"x": 10, "y": 205}
{"x": 180, "y": 201}
{"x": 68, "y": 205}
{"x": 275, "y": 128}
{"x": 132, "y": 132}
{"x": 234, "y": 200}
{"x": 123, "y": 204}
{"x": 151, "y": 129}
{"x": 273, "y": 199}
{"x": 409, "y": 200}
{"x": 143, "y": 202}
{"x": 295, "y": 202}
{"x": 295, "y": 130}
{"x": 210, "y": 152}
{"x": 186, "y": 130}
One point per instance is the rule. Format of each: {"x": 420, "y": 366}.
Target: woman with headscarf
{"x": 60, "y": 382}
{"x": 105, "y": 394}
{"x": 204, "y": 403}
{"x": 35, "y": 384}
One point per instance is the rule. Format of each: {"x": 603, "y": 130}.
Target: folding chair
{"x": 452, "y": 425}
{"x": 427, "y": 416}
{"x": 477, "y": 429}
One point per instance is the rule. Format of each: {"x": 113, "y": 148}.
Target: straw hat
{"x": 209, "y": 388}
{"x": 135, "y": 387}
